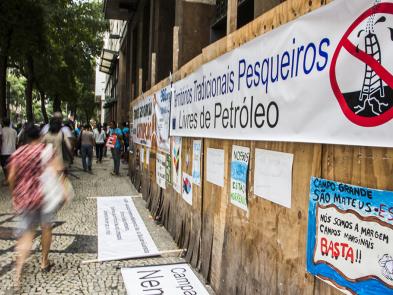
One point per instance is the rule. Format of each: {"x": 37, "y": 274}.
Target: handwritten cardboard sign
{"x": 350, "y": 236}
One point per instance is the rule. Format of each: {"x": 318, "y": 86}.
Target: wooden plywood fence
{"x": 262, "y": 251}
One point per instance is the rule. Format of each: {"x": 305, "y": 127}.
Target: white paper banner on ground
{"x": 239, "y": 175}
{"x": 142, "y": 126}
{"x": 171, "y": 279}
{"x": 311, "y": 80}
{"x": 162, "y": 111}
{"x": 161, "y": 170}
{"x": 187, "y": 188}
{"x": 176, "y": 163}
{"x": 273, "y": 176}
{"x": 121, "y": 231}
{"x": 196, "y": 161}
{"x": 215, "y": 166}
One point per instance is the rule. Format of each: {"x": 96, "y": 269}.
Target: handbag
{"x": 56, "y": 189}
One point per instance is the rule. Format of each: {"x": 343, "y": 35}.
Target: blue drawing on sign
{"x": 239, "y": 171}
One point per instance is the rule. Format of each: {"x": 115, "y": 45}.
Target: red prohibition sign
{"x": 367, "y": 59}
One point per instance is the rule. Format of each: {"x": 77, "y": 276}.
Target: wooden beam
{"x": 175, "y": 65}
{"x": 231, "y": 16}
{"x": 153, "y": 69}
{"x": 140, "y": 78}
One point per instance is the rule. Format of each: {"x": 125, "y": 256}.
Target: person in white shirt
{"x": 99, "y": 137}
{"x": 8, "y": 144}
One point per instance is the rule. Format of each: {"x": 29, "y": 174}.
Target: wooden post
{"x": 231, "y": 16}
{"x": 175, "y": 65}
{"x": 140, "y": 78}
{"x": 153, "y": 69}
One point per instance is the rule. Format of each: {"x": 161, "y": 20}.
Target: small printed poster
{"x": 273, "y": 176}
{"x": 168, "y": 169}
{"x": 196, "y": 161}
{"x": 215, "y": 166}
{"x": 187, "y": 188}
{"x": 147, "y": 162}
{"x": 176, "y": 164}
{"x": 239, "y": 175}
{"x": 142, "y": 157}
{"x": 350, "y": 237}
{"x": 161, "y": 170}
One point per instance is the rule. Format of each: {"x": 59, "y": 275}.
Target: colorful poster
{"x": 239, "y": 176}
{"x": 273, "y": 176}
{"x": 215, "y": 166}
{"x": 143, "y": 132}
{"x": 176, "y": 164}
{"x": 196, "y": 161}
{"x": 187, "y": 188}
{"x": 162, "y": 111}
{"x": 122, "y": 233}
{"x": 350, "y": 237}
{"x": 282, "y": 84}
{"x": 161, "y": 170}
{"x": 171, "y": 279}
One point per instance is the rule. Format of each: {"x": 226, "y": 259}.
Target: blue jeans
{"x": 116, "y": 154}
{"x": 87, "y": 155}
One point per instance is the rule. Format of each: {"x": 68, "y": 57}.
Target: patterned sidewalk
{"x": 75, "y": 240}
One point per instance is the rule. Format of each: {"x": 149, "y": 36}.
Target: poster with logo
{"x": 196, "y": 161}
{"x": 336, "y": 75}
{"x": 162, "y": 111}
{"x": 187, "y": 188}
{"x": 239, "y": 176}
{"x": 350, "y": 237}
{"x": 171, "y": 279}
{"x": 143, "y": 122}
{"x": 161, "y": 170}
{"x": 176, "y": 164}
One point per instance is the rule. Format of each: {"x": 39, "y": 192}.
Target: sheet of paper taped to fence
{"x": 121, "y": 231}
{"x": 171, "y": 279}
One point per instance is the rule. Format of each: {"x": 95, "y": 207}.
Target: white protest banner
{"x": 176, "y": 164}
{"x": 162, "y": 111}
{"x": 273, "y": 176}
{"x": 239, "y": 175}
{"x": 142, "y": 125}
{"x": 215, "y": 160}
{"x": 196, "y": 161}
{"x": 311, "y": 80}
{"x": 121, "y": 231}
{"x": 187, "y": 188}
{"x": 161, "y": 170}
{"x": 171, "y": 279}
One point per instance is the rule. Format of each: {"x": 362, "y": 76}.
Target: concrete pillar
{"x": 193, "y": 19}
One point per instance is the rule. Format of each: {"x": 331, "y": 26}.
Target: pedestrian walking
{"x": 25, "y": 168}
{"x": 117, "y": 143}
{"x": 106, "y": 129}
{"x": 126, "y": 136}
{"x": 8, "y": 138}
{"x": 87, "y": 144}
{"x": 59, "y": 141}
{"x": 99, "y": 137}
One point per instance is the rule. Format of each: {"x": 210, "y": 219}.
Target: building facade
{"x": 149, "y": 39}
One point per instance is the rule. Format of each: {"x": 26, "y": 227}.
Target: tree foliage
{"x": 53, "y": 43}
